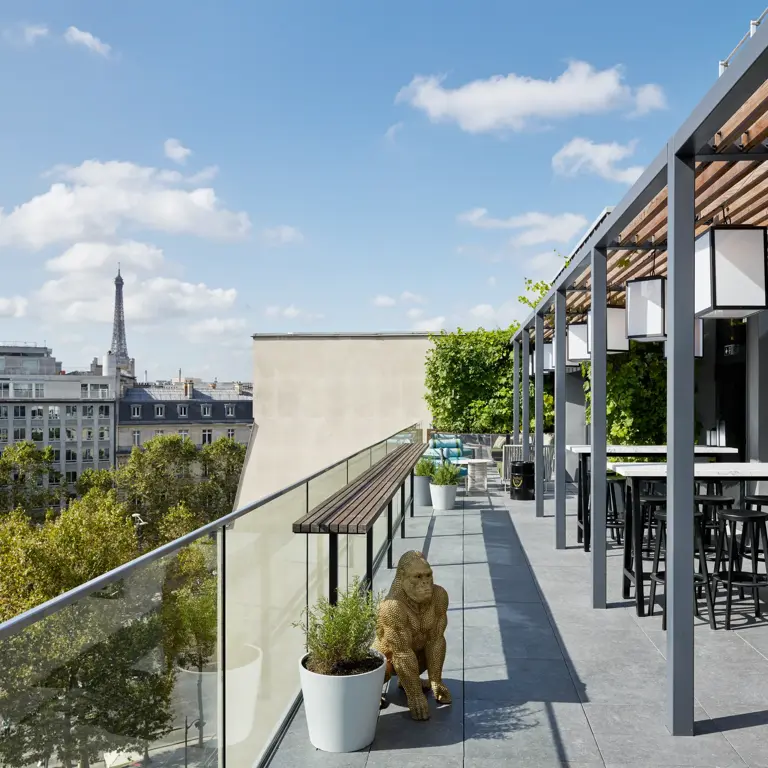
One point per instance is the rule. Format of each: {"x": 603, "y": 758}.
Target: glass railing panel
{"x": 123, "y": 674}
{"x": 265, "y": 571}
{"x": 355, "y": 558}
{"x": 359, "y": 463}
{"x": 325, "y": 485}
{"x": 378, "y": 452}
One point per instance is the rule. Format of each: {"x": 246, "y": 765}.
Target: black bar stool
{"x": 754, "y": 529}
{"x": 701, "y": 579}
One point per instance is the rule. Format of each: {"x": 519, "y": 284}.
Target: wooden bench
{"x": 356, "y": 508}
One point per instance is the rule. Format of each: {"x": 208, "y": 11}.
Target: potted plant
{"x": 445, "y": 482}
{"x": 341, "y": 675}
{"x": 422, "y": 478}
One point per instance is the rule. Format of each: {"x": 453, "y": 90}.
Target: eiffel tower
{"x": 119, "y": 346}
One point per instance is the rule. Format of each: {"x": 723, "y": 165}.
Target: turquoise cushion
{"x": 445, "y": 442}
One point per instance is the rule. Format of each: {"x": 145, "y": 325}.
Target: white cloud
{"x": 545, "y": 264}
{"x": 391, "y": 132}
{"x": 291, "y": 312}
{"x": 536, "y": 228}
{"x": 176, "y": 151}
{"x": 75, "y": 36}
{"x": 489, "y": 316}
{"x": 95, "y": 200}
{"x": 384, "y": 301}
{"x": 415, "y": 313}
{"x": 585, "y": 156}
{"x": 282, "y": 235}
{"x": 15, "y": 306}
{"x": 514, "y": 102}
{"x": 33, "y": 32}
{"x": 25, "y": 35}
{"x": 414, "y": 298}
{"x": 83, "y": 257}
{"x": 492, "y": 282}
{"x": 216, "y": 326}
{"x": 430, "y": 324}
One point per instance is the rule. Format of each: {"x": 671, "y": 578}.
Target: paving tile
{"x": 500, "y": 583}
{"x": 520, "y": 679}
{"x": 494, "y": 552}
{"x": 631, "y": 719}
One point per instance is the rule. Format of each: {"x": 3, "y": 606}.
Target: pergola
{"x": 712, "y": 171}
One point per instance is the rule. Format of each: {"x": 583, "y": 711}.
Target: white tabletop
{"x": 475, "y": 461}
{"x": 753, "y": 470}
{"x": 648, "y": 450}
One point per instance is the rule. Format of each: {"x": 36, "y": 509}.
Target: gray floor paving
{"x": 538, "y": 677}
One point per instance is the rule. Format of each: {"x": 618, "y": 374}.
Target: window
{"x": 37, "y": 434}
{"x": 104, "y": 453}
{"x": 71, "y": 412}
{"x": 103, "y": 433}
{"x": 19, "y": 433}
{"x": 71, "y": 476}
{"x": 22, "y": 390}
{"x": 57, "y": 455}
{"x": 87, "y": 454}
{"x": 39, "y": 390}
{"x": 135, "y": 411}
{"x": 182, "y": 411}
{"x": 54, "y": 478}
{"x": 159, "y": 411}
{"x": 103, "y": 411}
{"x": 231, "y": 434}
{"x": 137, "y": 437}
{"x": 207, "y": 436}
{"x": 54, "y": 433}
{"x": 19, "y": 411}
{"x": 70, "y": 454}
{"x": 229, "y": 409}
{"x": 87, "y": 411}
{"x": 3, "y": 435}
{"x": 3, "y": 411}
{"x": 87, "y": 434}
{"x": 83, "y": 390}
{"x": 183, "y": 434}
{"x": 206, "y": 410}
{"x": 159, "y": 432}
{"x": 71, "y": 433}
{"x": 53, "y": 413}
{"x": 4, "y": 389}
{"x": 100, "y": 390}
{"x": 36, "y": 412}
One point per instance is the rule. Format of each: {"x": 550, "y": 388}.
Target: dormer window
{"x": 135, "y": 411}
{"x": 229, "y": 409}
{"x": 182, "y": 411}
{"x": 159, "y": 411}
{"x": 206, "y": 411}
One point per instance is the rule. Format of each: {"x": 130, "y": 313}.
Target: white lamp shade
{"x": 549, "y": 360}
{"x": 730, "y": 266}
{"x": 616, "y": 336}
{"x": 698, "y": 339}
{"x": 569, "y": 364}
{"x": 577, "y": 343}
{"x": 646, "y": 309}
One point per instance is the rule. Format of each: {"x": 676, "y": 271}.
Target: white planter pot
{"x": 443, "y": 496}
{"x": 342, "y": 710}
{"x": 421, "y": 495}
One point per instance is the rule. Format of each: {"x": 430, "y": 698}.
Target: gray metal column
{"x": 559, "y": 348}
{"x": 539, "y": 409}
{"x": 680, "y": 452}
{"x": 516, "y": 399}
{"x": 525, "y": 394}
{"x": 598, "y": 432}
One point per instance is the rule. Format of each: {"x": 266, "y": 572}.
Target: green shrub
{"x": 425, "y": 468}
{"x": 339, "y": 637}
{"x": 446, "y": 474}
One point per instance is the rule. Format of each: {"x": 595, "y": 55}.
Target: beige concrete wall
{"x": 319, "y": 398}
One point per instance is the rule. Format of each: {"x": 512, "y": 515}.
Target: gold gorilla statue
{"x": 410, "y": 632}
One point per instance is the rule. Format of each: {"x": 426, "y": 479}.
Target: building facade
{"x": 200, "y": 412}
{"x": 73, "y": 413}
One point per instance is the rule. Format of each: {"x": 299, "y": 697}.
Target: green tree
{"x": 103, "y": 479}
{"x": 221, "y": 464}
{"x": 24, "y": 468}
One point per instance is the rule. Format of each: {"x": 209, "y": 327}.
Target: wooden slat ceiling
{"x": 735, "y": 192}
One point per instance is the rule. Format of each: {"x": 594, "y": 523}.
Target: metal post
{"x": 389, "y": 535}
{"x": 559, "y": 348}
{"x": 413, "y": 500}
{"x": 369, "y": 559}
{"x": 333, "y": 567}
{"x": 402, "y": 510}
{"x": 525, "y": 395}
{"x": 598, "y": 432}
{"x": 680, "y": 452}
{"x": 516, "y": 399}
{"x": 539, "y": 411}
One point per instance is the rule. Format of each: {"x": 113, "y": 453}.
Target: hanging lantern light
{"x": 577, "y": 344}
{"x": 731, "y": 272}
{"x": 647, "y": 307}
{"x": 698, "y": 339}
{"x": 616, "y": 327}
{"x": 549, "y": 360}
{"x": 570, "y": 365}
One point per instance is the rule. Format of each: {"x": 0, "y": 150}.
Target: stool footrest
{"x": 742, "y": 579}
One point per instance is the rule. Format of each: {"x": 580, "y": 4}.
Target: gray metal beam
{"x": 598, "y": 431}
{"x": 525, "y": 395}
{"x": 731, "y": 157}
{"x": 516, "y": 398}
{"x": 539, "y": 403}
{"x": 680, "y": 451}
{"x": 560, "y": 420}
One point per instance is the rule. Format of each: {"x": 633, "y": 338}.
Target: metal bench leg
{"x": 402, "y": 511}
{"x": 413, "y": 501}
{"x": 389, "y": 535}
{"x": 369, "y": 559}
{"x": 333, "y": 567}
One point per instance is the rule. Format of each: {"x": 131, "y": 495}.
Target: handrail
{"x": 33, "y": 615}
{"x": 753, "y": 25}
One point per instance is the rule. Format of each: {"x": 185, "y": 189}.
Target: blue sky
{"x": 304, "y": 166}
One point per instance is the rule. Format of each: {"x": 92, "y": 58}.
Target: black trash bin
{"x": 521, "y": 481}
